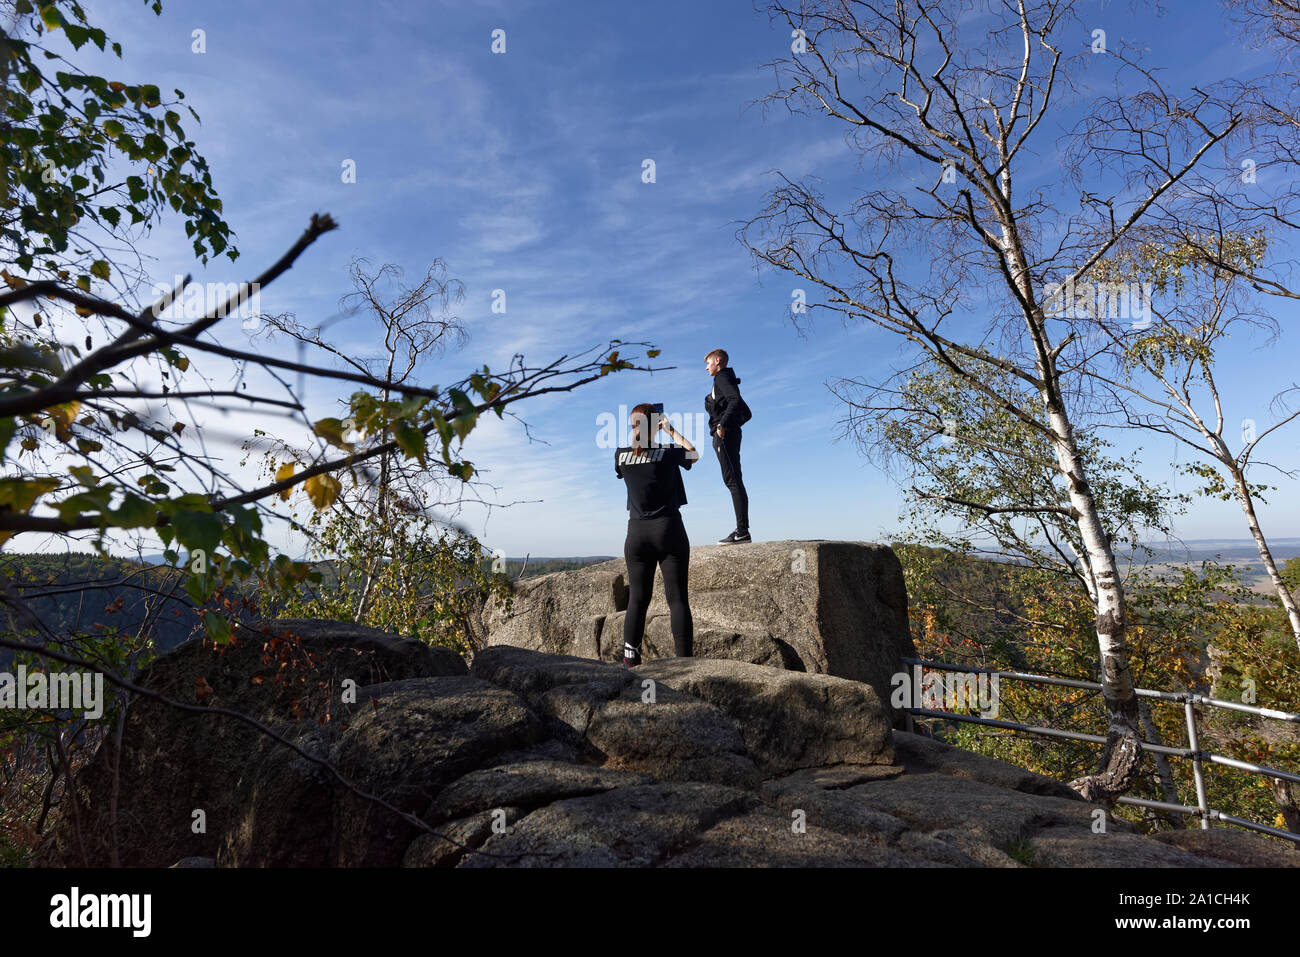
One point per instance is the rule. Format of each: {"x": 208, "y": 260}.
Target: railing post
{"x": 1193, "y": 742}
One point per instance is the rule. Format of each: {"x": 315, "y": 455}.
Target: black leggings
{"x": 650, "y": 542}
{"x": 728, "y": 449}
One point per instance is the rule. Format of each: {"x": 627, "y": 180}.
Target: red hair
{"x": 647, "y": 410}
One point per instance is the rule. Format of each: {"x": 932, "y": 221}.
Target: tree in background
{"x": 1162, "y": 379}
{"x": 391, "y": 562}
{"x": 88, "y": 163}
{"x": 1027, "y": 616}
{"x": 432, "y": 589}
{"x": 960, "y": 262}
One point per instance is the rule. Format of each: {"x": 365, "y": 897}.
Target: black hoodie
{"x": 728, "y": 409}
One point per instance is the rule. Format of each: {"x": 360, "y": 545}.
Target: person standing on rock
{"x": 727, "y": 413}
{"x": 656, "y": 535}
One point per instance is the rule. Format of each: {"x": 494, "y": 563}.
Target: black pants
{"x": 728, "y": 449}
{"x": 663, "y": 542}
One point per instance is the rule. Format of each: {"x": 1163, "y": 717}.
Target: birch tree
{"x": 952, "y": 107}
{"x": 1162, "y": 379}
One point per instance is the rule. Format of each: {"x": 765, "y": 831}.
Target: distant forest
{"x": 82, "y": 592}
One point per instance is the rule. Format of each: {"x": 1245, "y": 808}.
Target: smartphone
{"x": 658, "y": 407}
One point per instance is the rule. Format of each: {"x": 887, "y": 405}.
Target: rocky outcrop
{"x": 533, "y": 759}
{"x": 186, "y": 781}
{"x": 788, "y": 720}
{"x": 832, "y": 608}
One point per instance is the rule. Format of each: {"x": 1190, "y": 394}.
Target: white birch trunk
{"x": 1121, "y": 759}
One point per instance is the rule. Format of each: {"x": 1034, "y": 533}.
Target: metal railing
{"x": 1189, "y": 701}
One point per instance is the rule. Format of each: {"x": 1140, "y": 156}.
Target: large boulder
{"x": 836, "y": 608}
{"x": 528, "y": 784}
{"x": 562, "y": 613}
{"x": 408, "y": 742}
{"x": 280, "y": 791}
{"x": 920, "y": 755}
{"x": 637, "y": 826}
{"x": 660, "y": 731}
{"x": 1231, "y": 846}
{"x": 788, "y": 720}
{"x": 756, "y": 647}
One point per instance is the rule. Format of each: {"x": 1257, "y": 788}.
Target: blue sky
{"x": 522, "y": 171}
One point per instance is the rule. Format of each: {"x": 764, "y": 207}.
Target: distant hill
{"x": 76, "y": 592}
{"x": 1228, "y": 549}
{"x": 1238, "y": 552}
{"x": 535, "y": 565}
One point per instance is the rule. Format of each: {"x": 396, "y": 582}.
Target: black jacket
{"x": 728, "y": 409}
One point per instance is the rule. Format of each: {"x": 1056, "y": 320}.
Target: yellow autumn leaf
{"x": 285, "y": 471}
{"x": 323, "y": 490}
{"x": 60, "y": 418}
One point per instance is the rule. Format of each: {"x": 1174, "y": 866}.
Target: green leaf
{"x": 331, "y": 430}
{"x": 135, "y": 512}
{"x": 77, "y": 35}
{"x": 196, "y": 586}
{"x": 25, "y": 356}
{"x": 197, "y": 530}
{"x": 7, "y": 429}
{"x": 20, "y": 494}
{"x": 84, "y": 503}
{"x": 217, "y": 627}
{"x": 410, "y": 440}
{"x": 464, "y": 424}
{"x": 246, "y": 518}
{"x": 154, "y": 146}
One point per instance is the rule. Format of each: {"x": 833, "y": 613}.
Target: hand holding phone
{"x": 658, "y": 409}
